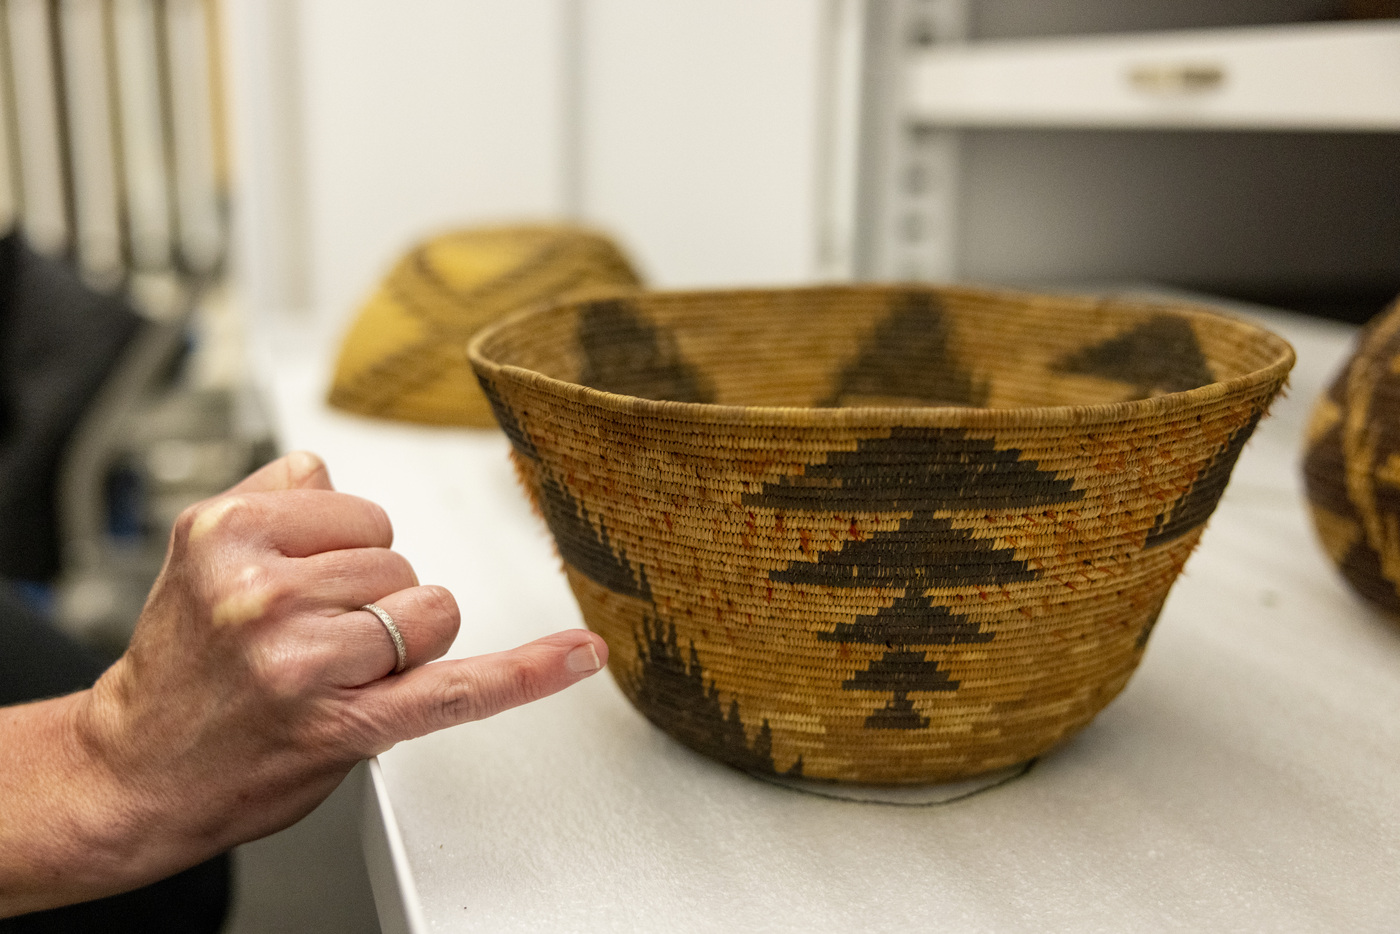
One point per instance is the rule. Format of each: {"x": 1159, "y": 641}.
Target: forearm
{"x": 252, "y": 684}
{"x": 69, "y": 830}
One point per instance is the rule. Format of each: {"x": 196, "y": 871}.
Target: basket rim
{"x": 707, "y": 413}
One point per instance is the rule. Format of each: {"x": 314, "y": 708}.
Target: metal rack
{"x": 940, "y": 90}
{"x": 113, "y": 163}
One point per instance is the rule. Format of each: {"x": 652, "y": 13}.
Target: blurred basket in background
{"x": 405, "y": 355}
{"x": 875, "y": 534}
{"x": 1352, "y": 465}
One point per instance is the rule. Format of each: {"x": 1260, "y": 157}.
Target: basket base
{"x": 903, "y": 795}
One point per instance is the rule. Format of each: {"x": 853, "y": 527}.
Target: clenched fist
{"x": 252, "y": 684}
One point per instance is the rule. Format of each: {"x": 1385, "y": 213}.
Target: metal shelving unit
{"x": 939, "y": 97}
{"x": 112, "y": 165}
{"x": 1322, "y": 77}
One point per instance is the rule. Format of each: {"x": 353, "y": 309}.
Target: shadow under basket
{"x": 881, "y": 535}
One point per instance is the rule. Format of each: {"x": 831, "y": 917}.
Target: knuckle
{"x": 440, "y": 603}
{"x": 521, "y": 682}
{"x": 253, "y": 594}
{"x": 398, "y": 567}
{"x": 278, "y": 680}
{"x": 476, "y": 695}
{"x": 184, "y": 522}
{"x": 459, "y": 699}
{"x": 466, "y": 694}
{"x": 378, "y": 517}
{"x": 199, "y": 521}
{"x": 216, "y": 514}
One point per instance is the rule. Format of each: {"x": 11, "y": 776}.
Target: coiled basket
{"x": 875, "y": 534}
{"x": 1351, "y": 468}
{"x": 403, "y": 356}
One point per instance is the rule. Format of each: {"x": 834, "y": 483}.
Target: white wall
{"x": 422, "y": 115}
{"x": 700, "y": 135}
{"x": 688, "y": 128}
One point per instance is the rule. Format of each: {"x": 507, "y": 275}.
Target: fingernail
{"x": 302, "y": 464}
{"x": 583, "y": 659}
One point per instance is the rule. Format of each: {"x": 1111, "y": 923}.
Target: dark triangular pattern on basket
{"x": 1325, "y": 458}
{"x": 924, "y": 551}
{"x": 910, "y": 620}
{"x": 1193, "y": 508}
{"x": 1146, "y": 631}
{"x": 510, "y": 425}
{"x": 919, "y": 470}
{"x": 1325, "y": 466}
{"x": 583, "y": 547}
{"x": 908, "y": 357}
{"x": 1160, "y": 355}
{"x": 673, "y": 693}
{"x": 900, "y": 672}
{"x": 625, "y": 353}
{"x": 1383, "y": 425}
{"x": 1364, "y": 571}
{"x": 1374, "y": 558}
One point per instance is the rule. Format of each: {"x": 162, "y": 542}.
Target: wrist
{"x": 71, "y": 829}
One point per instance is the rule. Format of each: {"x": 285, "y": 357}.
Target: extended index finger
{"x": 447, "y": 693}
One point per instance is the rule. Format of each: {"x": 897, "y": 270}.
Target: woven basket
{"x": 1352, "y": 465}
{"x": 404, "y": 357}
{"x": 875, "y": 534}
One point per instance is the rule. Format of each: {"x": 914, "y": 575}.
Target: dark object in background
{"x": 58, "y": 342}
{"x": 1370, "y": 9}
{"x": 1352, "y": 465}
{"x": 38, "y": 661}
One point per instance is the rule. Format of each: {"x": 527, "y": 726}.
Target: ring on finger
{"x": 400, "y": 652}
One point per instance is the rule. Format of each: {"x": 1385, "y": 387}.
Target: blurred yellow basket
{"x": 405, "y": 355}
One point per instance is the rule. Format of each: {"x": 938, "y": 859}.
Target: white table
{"x": 1247, "y": 779}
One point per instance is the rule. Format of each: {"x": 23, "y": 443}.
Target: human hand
{"x": 253, "y": 683}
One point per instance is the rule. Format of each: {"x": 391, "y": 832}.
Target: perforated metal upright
{"x": 907, "y": 175}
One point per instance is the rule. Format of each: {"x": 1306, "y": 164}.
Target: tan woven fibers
{"x": 405, "y": 355}
{"x": 1352, "y": 464}
{"x": 875, "y": 534}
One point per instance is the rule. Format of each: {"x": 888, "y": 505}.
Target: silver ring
{"x": 388, "y": 621}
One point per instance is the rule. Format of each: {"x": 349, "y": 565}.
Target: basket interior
{"x": 882, "y": 347}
